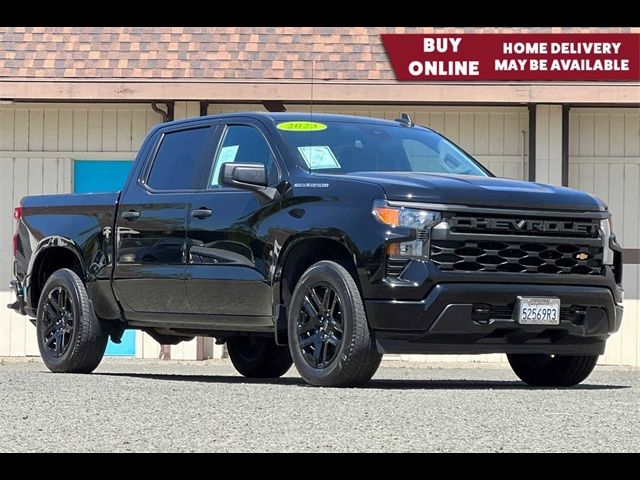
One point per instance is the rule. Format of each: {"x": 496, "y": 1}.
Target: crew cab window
{"x": 175, "y": 164}
{"x": 243, "y": 144}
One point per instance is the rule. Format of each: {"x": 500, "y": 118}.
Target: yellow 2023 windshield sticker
{"x": 301, "y": 126}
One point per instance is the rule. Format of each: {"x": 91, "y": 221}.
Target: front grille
{"x": 516, "y": 257}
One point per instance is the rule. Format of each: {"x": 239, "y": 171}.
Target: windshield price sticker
{"x": 318, "y": 157}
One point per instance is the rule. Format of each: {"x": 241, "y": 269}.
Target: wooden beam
{"x": 504, "y": 93}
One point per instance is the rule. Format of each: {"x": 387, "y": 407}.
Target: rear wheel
{"x": 329, "y": 335}
{"x": 258, "y": 357}
{"x": 68, "y": 333}
{"x": 552, "y": 370}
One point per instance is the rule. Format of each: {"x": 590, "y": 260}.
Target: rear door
{"x": 230, "y": 249}
{"x": 151, "y": 227}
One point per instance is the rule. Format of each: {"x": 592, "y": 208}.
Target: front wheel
{"x": 329, "y": 335}
{"x": 258, "y": 357}
{"x": 68, "y": 336}
{"x": 542, "y": 370}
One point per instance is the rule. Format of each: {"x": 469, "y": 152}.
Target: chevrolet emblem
{"x": 582, "y": 256}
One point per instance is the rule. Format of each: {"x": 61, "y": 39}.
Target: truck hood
{"x": 479, "y": 191}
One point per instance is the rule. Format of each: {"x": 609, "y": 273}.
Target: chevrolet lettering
{"x": 528, "y": 226}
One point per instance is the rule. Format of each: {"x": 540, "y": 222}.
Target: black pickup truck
{"x": 324, "y": 241}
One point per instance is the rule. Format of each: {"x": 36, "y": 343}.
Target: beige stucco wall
{"x": 604, "y": 159}
{"x": 38, "y": 143}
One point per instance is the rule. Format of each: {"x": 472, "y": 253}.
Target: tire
{"x": 552, "y": 371}
{"x": 67, "y": 337}
{"x": 333, "y": 347}
{"x": 258, "y": 357}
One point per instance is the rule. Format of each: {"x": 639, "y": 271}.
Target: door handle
{"x": 130, "y": 215}
{"x": 201, "y": 213}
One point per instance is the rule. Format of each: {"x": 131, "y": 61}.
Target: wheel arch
{"x": 303, "y": 252}
{"x": 51, "y": 254}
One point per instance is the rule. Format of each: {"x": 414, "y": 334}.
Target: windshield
{"x": 342, "y": 147}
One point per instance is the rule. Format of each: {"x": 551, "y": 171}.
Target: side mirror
{"x": 248, "y": 176}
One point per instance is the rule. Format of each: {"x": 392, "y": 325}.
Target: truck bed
{"x": 86, "y": 219}
{"x": 78, "y": 223}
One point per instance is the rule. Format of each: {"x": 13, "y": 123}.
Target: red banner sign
{"x": 509, "y": 56}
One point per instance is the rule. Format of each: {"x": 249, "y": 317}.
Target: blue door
{"x": 105, "y": 176}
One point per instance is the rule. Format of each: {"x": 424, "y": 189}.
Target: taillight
{"x": 17, "y": 216}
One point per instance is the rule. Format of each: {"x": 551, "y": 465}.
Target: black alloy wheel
{"x": 320, "y": 325}
{"x": 71, "y": 339}
{"x": 58, "y": 324}
{"x": 249, "y": 348}
{"x": 327, "y": 329}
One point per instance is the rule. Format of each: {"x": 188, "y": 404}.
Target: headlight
{"x": 418, "y": 219}
{"x": 404, "y": 217}
{"x": 605, "y": 228}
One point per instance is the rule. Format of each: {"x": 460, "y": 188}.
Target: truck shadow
{"x": 375, "y": 384}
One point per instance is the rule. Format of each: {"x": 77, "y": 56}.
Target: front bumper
{"x": 445, "y": 320}
{"x": 19, "y": 304}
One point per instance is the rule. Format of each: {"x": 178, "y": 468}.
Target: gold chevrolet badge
{"x": 582, "y": 256}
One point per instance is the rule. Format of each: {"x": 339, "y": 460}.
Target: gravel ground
{"x": 151, "y": 406}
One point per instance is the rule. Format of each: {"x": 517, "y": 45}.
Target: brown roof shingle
{"x": 243, "y": 53}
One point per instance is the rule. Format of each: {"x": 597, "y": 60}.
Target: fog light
{"x": 481, "y": 313}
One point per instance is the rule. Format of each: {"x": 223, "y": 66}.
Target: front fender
{"x": 335, "y": 208}
{"x": 328, "y": 233}
{"x": 364, "y": 246}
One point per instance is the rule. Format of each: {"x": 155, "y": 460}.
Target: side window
{"x": 243, "y": 144}
{"x": 174, "y": 166}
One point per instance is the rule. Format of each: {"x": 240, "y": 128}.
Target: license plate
{"x": 538, "y": 310}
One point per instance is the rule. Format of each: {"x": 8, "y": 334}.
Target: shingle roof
{"x": 255, "y": 53}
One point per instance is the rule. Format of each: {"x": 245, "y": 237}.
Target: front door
{"x": 105, "y": 176}
{"x": 151, "y": 228}
{"x": 230, "y": 244}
